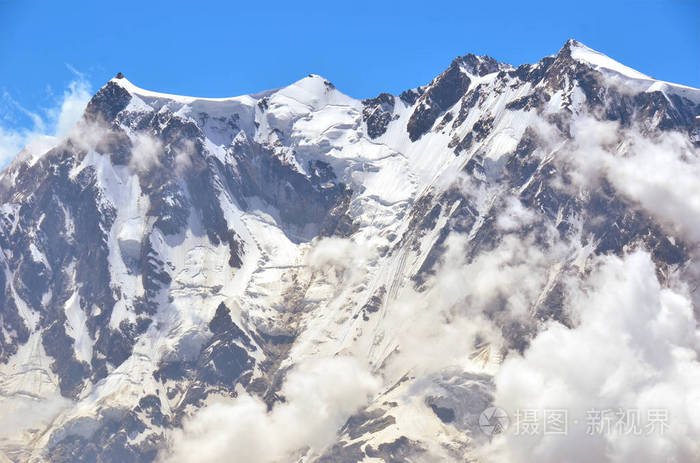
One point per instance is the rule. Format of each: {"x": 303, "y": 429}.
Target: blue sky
{"x": 229, "y": 48}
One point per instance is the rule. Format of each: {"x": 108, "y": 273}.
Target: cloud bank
{"x": 635, "y": 348}
{"x": 319, "y": 396}
{"x": 659, "y": 172}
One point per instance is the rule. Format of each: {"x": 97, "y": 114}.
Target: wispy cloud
{"x": 47, "y": 124}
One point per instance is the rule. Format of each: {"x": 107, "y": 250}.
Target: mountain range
{"x": 301, "y": 276}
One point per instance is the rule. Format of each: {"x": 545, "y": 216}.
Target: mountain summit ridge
{"x": 569, "y": 45}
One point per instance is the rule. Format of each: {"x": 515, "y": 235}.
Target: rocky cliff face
{"x": 174, "y": 251}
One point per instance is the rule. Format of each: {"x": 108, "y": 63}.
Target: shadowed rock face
{"x": 299, "y": 199}
{"x": 120, "y": 244}
{"x": 65, "y": 218}
{"x": 377, "y": 113}
{"x": 605, "y": 101}
{"x": 49, "y": 197}
{"x": 446, "y": 90}
{"x": 107, "y": 103}
{"x": 401, "y": 450}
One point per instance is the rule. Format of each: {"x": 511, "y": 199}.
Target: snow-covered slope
{"x": 178, "y": 257}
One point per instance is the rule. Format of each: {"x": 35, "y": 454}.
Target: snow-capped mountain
{"x": 304, "y": 276}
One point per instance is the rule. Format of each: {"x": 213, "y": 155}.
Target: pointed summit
{"x": 312, "y": 91}
{"x": 447, "y": 88}
{"x": 572, "y": 43}
{"x": 583, "y": 54}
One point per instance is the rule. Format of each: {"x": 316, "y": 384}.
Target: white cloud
{"x": 663, "y": 176}
{"x": 635, "y": 348}
{"x": 320, "y": 395}
{"x": 515, "y": 215}
{"x": 22, "y": 414}
{"x": 75, "y": 98}
{"x": 145, "y": 152}
{"x": 183, "y": 157}
{"x": 47, "y": 126}
{"x": 659, "y": 172}
{"x": 341, "y": 258}
{"x": 468, "y": 302}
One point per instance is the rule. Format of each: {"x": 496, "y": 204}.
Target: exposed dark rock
{"x": 71, "y": 372}
{"x": 106, "y": 440}
{"x": 222, "y": 320}
{"x": 440, "y": 95}
{"x": 299, "y": 200}
{"x": 471, "y": 100}
{"x": 446, "y": 90}
{"x": 223, "y": 362}
{"x": 445, "y": 120}
{"x": 533, "y": 73}
{"x": 367, "y": 423}
{"x": 202, "y": 183}
{"x": 402, "y": 450}
{"x": 107, "y": 103}
{"x": 480, "y": 65}
{"x": 411, "y": 96}
{"x": 151, "y": 407}
{"x": 446, "y": 415}
{"x": 374, "y": 303}
{"x": 377, "y": 113}
{"x": 344, "y": 452}
{"x": 10, "y": 319}
{"x": 535, "y": 100}
{"x": 480, "y": 130}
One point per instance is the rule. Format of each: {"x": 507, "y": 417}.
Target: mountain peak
{"x": 599, "y": 61}
{"x": 314, "y": 83}
{"x": 479, "y": 65}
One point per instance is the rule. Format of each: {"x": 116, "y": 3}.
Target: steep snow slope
{"x": 178, "y": 257}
